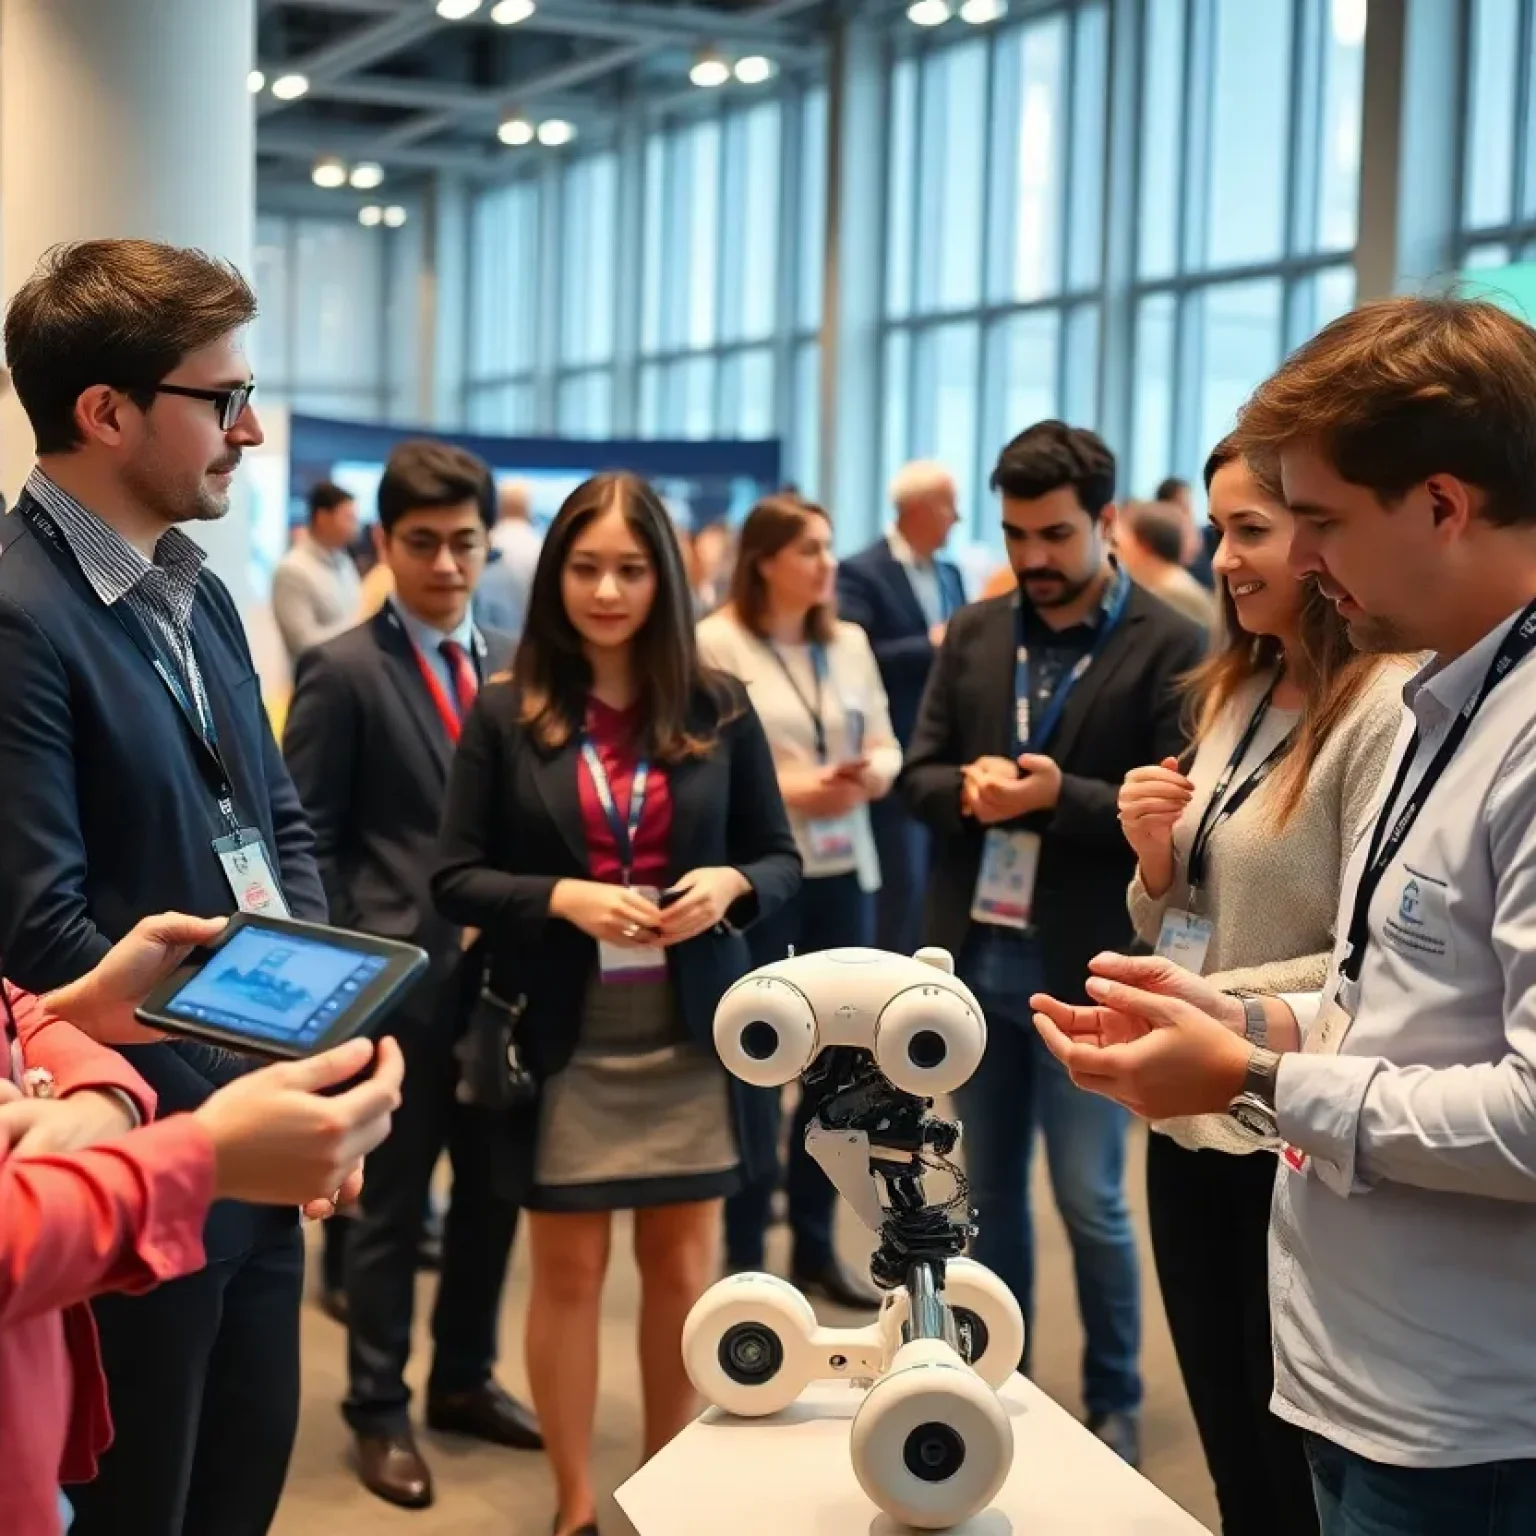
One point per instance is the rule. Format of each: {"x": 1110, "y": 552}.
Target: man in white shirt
{"x": 1403, "y": 1237}
{"x": 316, "y": 590}
{"x": 501, "y": 601}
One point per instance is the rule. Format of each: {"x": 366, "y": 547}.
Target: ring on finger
{"x": 631, "y": 930}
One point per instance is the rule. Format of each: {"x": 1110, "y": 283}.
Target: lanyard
{"x": 1386, "y": 845}
{"x": 447, "y": 710}
{"x": 1025, "y": 739}
{"x": 811, "y": 707}
{"x": 204, "y": 732}
{"x": 1219, "y": 808}
{"x": 623, "y": 834}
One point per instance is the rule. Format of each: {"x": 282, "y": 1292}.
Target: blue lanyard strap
{"x": 624, "y": 829}
{"x": 1027, "y": 735}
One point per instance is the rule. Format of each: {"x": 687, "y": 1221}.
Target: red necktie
{"x": 465, "y": 684}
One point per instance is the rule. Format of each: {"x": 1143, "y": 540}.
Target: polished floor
{"x": 482, "y": 1491}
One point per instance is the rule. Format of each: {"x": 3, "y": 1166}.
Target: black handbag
{"x": 491, "y": 1070}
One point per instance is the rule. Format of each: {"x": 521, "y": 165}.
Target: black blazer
{"x": 1126, "y": 712}
{"x": 108, "y": 817}
{"x": 875, "y": 592}
{"x": 513, "y": 829}
{"x": 370, "y": 757}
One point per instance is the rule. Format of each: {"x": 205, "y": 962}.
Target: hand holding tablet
{"x": 275, "y": 987}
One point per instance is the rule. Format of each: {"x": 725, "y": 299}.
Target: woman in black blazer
{"x": 613, "y": 822}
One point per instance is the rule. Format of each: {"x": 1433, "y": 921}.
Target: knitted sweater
{"x": 1272, "y": 896}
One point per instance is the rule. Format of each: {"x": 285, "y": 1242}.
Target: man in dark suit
{"x": 1039, "y": 705}
{"x": 373, "y": 723}
{"x": 901, "y": 595}
{"x": 139, "y": 774}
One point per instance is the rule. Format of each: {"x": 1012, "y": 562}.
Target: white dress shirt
{"x": 1403, "y": 1255}
{"x": 924, "y": 576}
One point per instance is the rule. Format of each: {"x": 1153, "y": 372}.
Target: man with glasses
{"x": 139, "y": 775}
{"x": 371, "y": 729}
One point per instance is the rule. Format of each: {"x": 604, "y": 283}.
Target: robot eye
{"x": 929, "y": 1040}
{"x": 759, "y": 1040}
{"x": 765, "y": 1031}
{"x": 927, "y": 1049}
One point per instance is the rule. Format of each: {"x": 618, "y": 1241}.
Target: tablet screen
{"x": 276, "y": 986}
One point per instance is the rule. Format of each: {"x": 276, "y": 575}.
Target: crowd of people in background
{"x": 1155, "y": 789}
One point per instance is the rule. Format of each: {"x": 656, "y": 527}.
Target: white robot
{"x": 878, "y": 1035}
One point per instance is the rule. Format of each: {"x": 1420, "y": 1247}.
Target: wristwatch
{"x": 1255, "y": 1020}
{"x": 1254, "y": 1107}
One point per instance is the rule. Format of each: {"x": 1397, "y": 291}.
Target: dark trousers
{"x": 1356, "y": 1497}
{"x": 204, "y": 1381}
{"x": 386, "y": 1234}
{"x": 827, "y": 913}
{"x": 333, "y": 1253}
{"x": 902, "y": 844}
{"x": 1209, "y": 1214}
{"x": 1019, "y": 1090}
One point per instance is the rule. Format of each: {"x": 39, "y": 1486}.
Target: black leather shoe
{"x": 391, "y": 1468}
{"x": 835, "y": 1282}
{"x": 488, "y": 1413}
{"x": 589, "y": 1529}
{"x": 333, "y": 1302}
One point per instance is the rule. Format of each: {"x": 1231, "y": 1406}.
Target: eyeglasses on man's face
{"x": 465, "y": 545}
{"x": 230, "y": 403}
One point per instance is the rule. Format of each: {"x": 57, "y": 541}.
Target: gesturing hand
{"x": 49, "y": 1127}
{"x": 708, "y": 895}
{"x": 1151, "y": 802}
{"x": 1152, "y": 973}
{"x": 279, "y": 1140}
{"x": 611, "y": 914}
{"x": 101, "y": 1003}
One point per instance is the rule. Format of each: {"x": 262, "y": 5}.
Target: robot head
{"x": 923, "y": 1026}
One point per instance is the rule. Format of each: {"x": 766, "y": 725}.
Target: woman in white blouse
{"x": 815, "y": 686}
{"x": 1239, "y": 866}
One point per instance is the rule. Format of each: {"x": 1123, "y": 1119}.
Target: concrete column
{"x": 126, "y": 120}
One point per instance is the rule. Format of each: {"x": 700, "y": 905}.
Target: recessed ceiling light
{"x": 370, "y": 214}
{"x": 509, "y": 12}
{"x": 929, "y": 13}
{"x": 290, "y": 87}
{"x": 980, "y": 12}
{"x": 366, "y": 175}
{"x": 515, "y": 130}
{"x": 555, "y": 131}
{"x": 255, "y": 82}
{"x": 329, "y": 172}
{"x": 754, "y": 69}
{"x": 457, "y": 10}
{"x": 709, "y": 70}
{"x": 394, "y": 216}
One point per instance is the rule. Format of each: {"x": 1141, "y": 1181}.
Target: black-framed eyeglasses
{"x": 231, "y": 402}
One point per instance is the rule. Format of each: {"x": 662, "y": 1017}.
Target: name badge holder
{"x": 1388, "y": 835}
{"x": 624, "y": 963}
{"x": 829, "y": 839}
{"x": 241, "y": 851}
{"x": 1010, "y": 860}
{"x": 1185, "y": 938}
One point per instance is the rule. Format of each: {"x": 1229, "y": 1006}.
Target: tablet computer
{"x": 271, "y": 986}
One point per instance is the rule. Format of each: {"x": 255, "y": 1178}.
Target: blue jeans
{"x": 1019, "y": 1088}
{"x": 1356, "y": 1497}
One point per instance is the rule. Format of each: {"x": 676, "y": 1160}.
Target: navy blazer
{"x": 1127, "y": 712}
{"x": 370, "y": 757}
{"x": 875, "y": 592}
{"x": 108, "y": 815}
{"x": 513, "y": 830}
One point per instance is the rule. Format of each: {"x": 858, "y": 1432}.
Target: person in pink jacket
{"x": 94, "y": 1197}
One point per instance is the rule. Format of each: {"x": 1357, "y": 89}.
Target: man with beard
{"x": 139, "y": 775}
{"x": 1039, "y": 704}
{"x": 1403, "y": 1230}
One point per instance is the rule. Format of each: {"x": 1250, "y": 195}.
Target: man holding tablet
{"x": 371, "y": 728}
{"x": 139, "y": 774}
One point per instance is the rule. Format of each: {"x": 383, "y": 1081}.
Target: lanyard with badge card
{"x": 829, "y": 838}
{"x": 624, "y": 962}
{"x": 1005, "y": 885}
{"x": 1185, "y": 938}
{"x": 241, "y": 851}
{"x": 1388, "y": 836}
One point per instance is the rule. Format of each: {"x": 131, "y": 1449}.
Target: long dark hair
{"x": 1331, "y": 672}
{"x": 551, "y": 666}
{"x": 774, "y": 523}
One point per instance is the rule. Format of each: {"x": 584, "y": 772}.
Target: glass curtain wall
{"x": 1498, "y": 203}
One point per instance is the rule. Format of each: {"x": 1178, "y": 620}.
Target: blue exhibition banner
{"x": 701, "y": 481}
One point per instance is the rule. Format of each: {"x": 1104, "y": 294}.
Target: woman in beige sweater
{"x": 1239, "y": 867}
